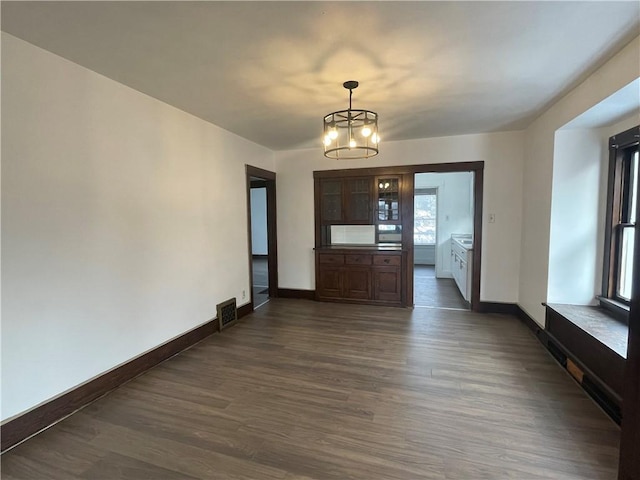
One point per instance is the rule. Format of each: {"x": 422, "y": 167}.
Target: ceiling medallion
{"x": 351, "y": 133}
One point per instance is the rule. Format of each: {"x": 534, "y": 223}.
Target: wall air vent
{"x": 227, "y": 313}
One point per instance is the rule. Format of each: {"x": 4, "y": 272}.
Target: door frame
{"x": 477, "y": 168}
{"x": 268, "y": 179}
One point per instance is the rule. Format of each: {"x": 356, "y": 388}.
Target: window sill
{"x": 617, "y": 309}
{"x": 596, "y": 322}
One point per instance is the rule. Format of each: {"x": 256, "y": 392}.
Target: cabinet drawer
{"x": 358, "y": 259}
{"x": 391, "y": 260}
{"x": 331, "y": 259}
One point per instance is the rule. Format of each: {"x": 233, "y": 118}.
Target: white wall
{"x": 117, "y": 231}
{"x": 619, "y": 71}
{"x": 455, "y": 212}
{"x": 573, "y": 274}
{"x": 503, "y": 156}
{"x": 259, "y": 221}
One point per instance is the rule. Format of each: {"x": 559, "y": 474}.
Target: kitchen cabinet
{"x": 360, "y": 275}
{"x": 346, "y": 200}
{"x": 461, "y": 265}
{"x": 331, "y": 200}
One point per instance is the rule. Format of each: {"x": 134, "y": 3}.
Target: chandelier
{"x": 351, "y": 133}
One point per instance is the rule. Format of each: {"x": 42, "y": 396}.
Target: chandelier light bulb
{"x": 375, "y": 138}
{"x": 333, "y": 133}
{"x": 327, "y": 140}
{"x": 352, "y": 143}
{"x": 366, "y": 131}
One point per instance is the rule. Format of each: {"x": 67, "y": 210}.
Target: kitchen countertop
{"x": 464, "y": 243}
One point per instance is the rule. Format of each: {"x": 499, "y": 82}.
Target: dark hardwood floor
{"x": 310, "y": 390}
{"x": 429, "y": 291}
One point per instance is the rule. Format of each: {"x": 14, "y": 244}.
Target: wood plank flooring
{"x": 429, "y": 291}
{"x": 307, "y": 390}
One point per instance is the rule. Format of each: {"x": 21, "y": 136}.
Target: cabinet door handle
{"x": 386, "y": 260}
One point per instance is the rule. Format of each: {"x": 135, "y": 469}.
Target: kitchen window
{"x": 622, "y": 206}
{"x": 425, "y": 216}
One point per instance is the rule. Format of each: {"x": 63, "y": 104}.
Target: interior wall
{"x": 619, "y": 71}
{"x": 503, "y": 156}
{"x": 259, "y": 221}
{"x": 573, "y": 242}
{"x": 455, "y": 211}
{"x": 123, "y": 223}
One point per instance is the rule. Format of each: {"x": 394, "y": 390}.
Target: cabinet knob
{"x": 386, "y": 260}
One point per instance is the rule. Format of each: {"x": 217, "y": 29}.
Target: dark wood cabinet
{"x": 357, "y": 283}
{"x": 360, "y": 276}
{"x": 329, "y": 281}
{"x": 346, "y": 201}
{"x": 358, "y": 200}
{"x": 331, "y": 200}
{"x": 387, "y": 284}
{"x": 373, "y": 273}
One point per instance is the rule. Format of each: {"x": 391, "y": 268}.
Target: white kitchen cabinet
{"x": 462, "y": 263}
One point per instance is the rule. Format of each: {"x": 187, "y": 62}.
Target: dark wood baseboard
{"x": 516, "y": 310}
{"x": 293, "y": 293}
{"x": 245, "y": 310}
{"x": 539, "y": 331}
{"x": 33, "y": 421}
{"x": 498, "y": 307}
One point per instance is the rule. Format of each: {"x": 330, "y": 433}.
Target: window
{"x": 622, "y": 204}
{"x": 425, "y": 208}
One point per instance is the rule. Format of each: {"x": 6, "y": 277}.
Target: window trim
{"x": 621, "y": 147}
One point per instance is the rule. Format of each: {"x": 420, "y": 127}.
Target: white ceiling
{"x": 269, "y": 71}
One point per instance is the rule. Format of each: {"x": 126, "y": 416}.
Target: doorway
{"x": 261, "y": 213}
{"x": 443, "y": 239}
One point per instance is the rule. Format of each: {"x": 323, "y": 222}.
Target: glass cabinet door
{"x": 388, "y": 200}
{"x": 358, "y": 204}
{"x": 331, "y": 200}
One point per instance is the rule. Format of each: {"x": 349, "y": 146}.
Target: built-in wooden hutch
{"x": 359, "y": 238}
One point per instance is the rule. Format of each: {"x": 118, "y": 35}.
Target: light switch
{"x": 492, "y": 218}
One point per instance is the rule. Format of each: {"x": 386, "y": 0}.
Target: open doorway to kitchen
{"x": 443, "y": 239}
{"x": 261, "y": 212}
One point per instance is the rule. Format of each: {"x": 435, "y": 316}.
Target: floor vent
{"x": 227, "y": 313}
